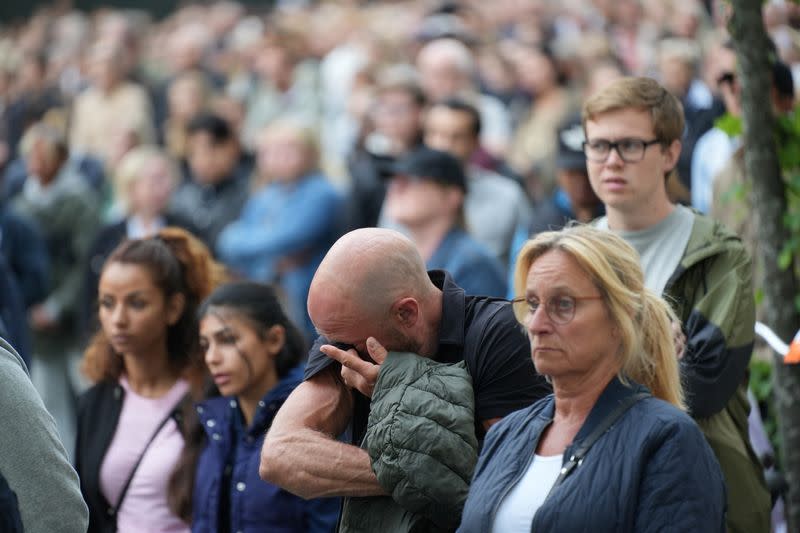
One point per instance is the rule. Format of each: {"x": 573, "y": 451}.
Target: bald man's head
{"x": 373, "y": 282}
{"x": 370, "y": 267}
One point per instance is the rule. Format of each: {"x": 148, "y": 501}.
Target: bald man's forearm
{"x": 312, "y": 465}
{"x": 300, "y": 453}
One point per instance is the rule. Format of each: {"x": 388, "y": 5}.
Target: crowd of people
{"x": 279, "y": 268}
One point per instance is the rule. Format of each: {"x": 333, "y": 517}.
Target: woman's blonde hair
{"x": 133, "y": 165}
{"x": 644, "y": 320}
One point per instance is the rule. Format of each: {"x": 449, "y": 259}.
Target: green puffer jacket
{"x": 711, "y": 293}
{"x": 421, "y": 440}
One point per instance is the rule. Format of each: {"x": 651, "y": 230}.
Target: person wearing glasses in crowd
{"x": 605, "y": 342}
{"x": 633, "y": 129}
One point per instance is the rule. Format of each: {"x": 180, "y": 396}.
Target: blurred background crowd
{"x": 269, "y": 130}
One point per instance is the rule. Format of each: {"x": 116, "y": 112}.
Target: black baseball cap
{"x": 570, "y": 145}
{"x": 429, "y": 164}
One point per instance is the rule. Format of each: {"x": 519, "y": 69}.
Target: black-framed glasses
{"x": 630, "y": 150}
{"x": 560, "y": 309}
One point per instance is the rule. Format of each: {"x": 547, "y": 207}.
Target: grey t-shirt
{"x": 661, "y": 246}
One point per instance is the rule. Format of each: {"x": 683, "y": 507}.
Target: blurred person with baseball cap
{"x": 426, "y": 195}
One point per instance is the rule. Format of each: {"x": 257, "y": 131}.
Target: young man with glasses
{"x": 633, "y": 129}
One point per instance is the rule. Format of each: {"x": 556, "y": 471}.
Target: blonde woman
{"x": 290, "y": 220}
{"x": 611, "y": 449}
{"x": 144, "y": 181}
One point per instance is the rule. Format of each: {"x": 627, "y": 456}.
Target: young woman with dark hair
{"x": 253, "y": 352}
{"x": 146, "y": 365}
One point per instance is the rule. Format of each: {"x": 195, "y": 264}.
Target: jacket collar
{"x": 708, "y": 238}
{"x": 220, "y": 410}
{"x": 614, "y": 393}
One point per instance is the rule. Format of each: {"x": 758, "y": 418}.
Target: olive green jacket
{"x": 711, "y": 292}
{"x": 422, "y": 445}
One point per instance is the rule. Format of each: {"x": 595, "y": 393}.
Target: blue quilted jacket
{"x": 652, "y": 471}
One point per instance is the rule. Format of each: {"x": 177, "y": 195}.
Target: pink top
{"x": 145, "y": 506}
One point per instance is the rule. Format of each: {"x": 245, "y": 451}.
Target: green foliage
{"x": 730, "y": 124}
{"x": 787, "y": 139}
{"x": 788, "y": 143}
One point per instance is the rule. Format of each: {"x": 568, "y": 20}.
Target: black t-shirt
{"x": 481, "y": 331}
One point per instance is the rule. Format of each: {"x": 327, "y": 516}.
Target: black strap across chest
{"x": 577, "y": 456}
{"x": 112, "y": 511}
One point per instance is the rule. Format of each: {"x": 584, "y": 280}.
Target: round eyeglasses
{"x": 630, "y": 150}
{"x": 560, "y": 309}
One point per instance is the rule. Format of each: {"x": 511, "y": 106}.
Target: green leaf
{"x": 729, "y": 124}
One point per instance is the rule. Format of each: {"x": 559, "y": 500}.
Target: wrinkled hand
{"x": 680, "y": 339}
{"x": 357, "y": 373}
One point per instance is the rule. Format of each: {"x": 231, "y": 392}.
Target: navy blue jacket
{"x": 652, "y": 471}
{"x": 256, "y": 506}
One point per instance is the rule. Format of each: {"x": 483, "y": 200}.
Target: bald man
{"x": 371, "y": 294}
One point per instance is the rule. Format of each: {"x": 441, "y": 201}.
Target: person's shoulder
{"x": 187, "y": 192}
{"x": 517, "y": 420}
{"x": 131, "y": 89}
{"x": 99, "y": 394}
{"x": 710, "y": 237}
{"x": 491, "y": 104}
{"x": 494, "y": 180}
{"x": 10, "y": 359}
{"x": 661, "y": 419}
{"x": 713, "y": 139}
{"x": 487, "y": 313}
{"x": 469, "y": 249}
{"x": 112, "y": 231}
{"x": 490, "y": 307}
{"x": 321, "y": 184}
{"x": 546, "y": 216}
{"x": 214, "y": 406}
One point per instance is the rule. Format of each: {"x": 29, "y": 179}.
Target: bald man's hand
{"x": 357, "y": 373}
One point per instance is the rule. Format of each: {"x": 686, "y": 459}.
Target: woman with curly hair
{"x": 146, "y": 367}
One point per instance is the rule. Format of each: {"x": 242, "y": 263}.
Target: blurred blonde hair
{"x": 288, "y": 128}
{"x": 131, "y": 167}
{"x": 644, "y": 320}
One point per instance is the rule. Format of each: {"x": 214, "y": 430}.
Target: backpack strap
{"x": 576, "y": 458}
